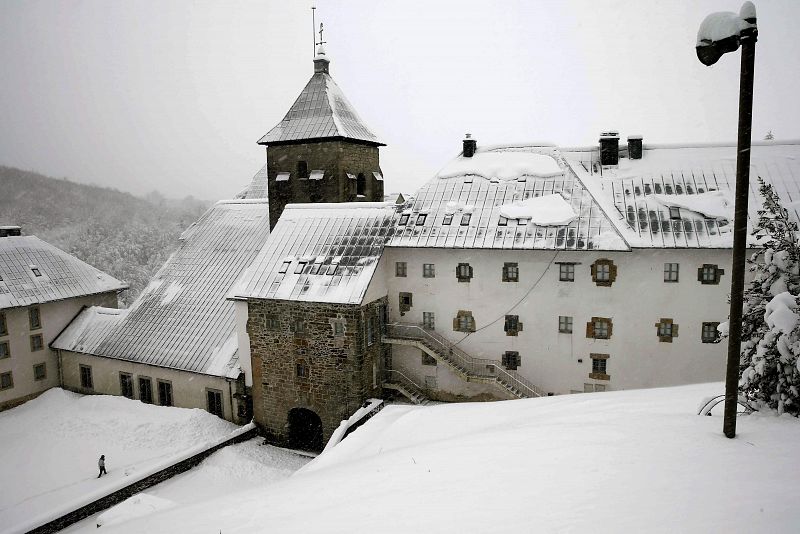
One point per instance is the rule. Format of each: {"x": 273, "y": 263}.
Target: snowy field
{"x": 51, "y": 444}
{"x": 634, "y": 461}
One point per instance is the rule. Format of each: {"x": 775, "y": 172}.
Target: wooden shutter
{"x": 590, "y": 326}
{"x": 612, "y": 272}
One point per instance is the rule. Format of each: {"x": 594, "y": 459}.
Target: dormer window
{"x": 465, "y": 218}
{"x": 404, "y": 219}
{"x": 284, "y": 267}
{"x": 502, "y": 222}
{"x": 448, "y": 218}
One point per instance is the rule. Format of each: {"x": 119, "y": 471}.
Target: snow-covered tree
{"x": 770, "y": 375}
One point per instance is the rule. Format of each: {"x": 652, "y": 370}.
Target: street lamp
{"x": 721, "y": 33}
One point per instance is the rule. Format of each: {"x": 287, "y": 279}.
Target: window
{"x": 565, "y": 324}
{"x": 6, "y": 380}
{"x": 604, "y": 272}
{"x": 36, "y": 272}
{"x": 405, "y": 302}
{"x": 36, "y": 342}
{"x": 145, "y": 390}
{"x": 34, "y": 318}
{"x": 214, "y": 402}
{"x": 599, "y": 367}
{"x": 421, "y": 219}
{"x": 284, "y": 267}
{"x": 271, "y": 322}
{"x": 709, "y": 274}
{"x": 666, "y": 330}
{"x": 86, "y": 377}
{"x": 428, "y": 270}
{"x": 599, "y": 328}
{"x": 512, "y": 325}
{"x": 465, "y": 218}
{"x": 510, "y": 272}
{"x": 710, "y": 334}
{"x": 448, "y": 219}
{"x": 3, "y": 325}
{"x": 670, "y": 272}
{"x": 5, "y": 350}
{"x": 361, "y": 185}
{"x": 427, "y": 359}
{"x": 502, "y": 221}
{"x": 674, "y": 213}
{"x": 301, "y": 369}
{"x": 404, "y": 219}
{"x": 400, "y": 268}
{"x": 338, "y": 328}
{"x": 566, "y": 272}
{"x": 40, "y": 371}
{"x": 164, "y": 393}
{"x": 126, "y": 385}
{"x": 464, "y": 272}
{"x": 511, "y": 360}
{"x": 300, "y": 266}
{"x": 428, "y": 320}
{"x": 299, "y": 326}
{"x": 370, "y": 330}
{"x": 464, "y": 322}
{"x": 302, "y": 169}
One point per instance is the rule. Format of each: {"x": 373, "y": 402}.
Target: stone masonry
{"x": 336, "y": 158}
{"x": 343, "y": 367}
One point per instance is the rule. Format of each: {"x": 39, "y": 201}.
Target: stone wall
{"x": 342, "y": 370}
{"x": 336, "y": 158}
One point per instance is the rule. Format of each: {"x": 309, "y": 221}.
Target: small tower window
{"x": 302, "y": 169}
{"x": 361, "y": 185}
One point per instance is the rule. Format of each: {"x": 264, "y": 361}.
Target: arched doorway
{"x": 305, "y": 430}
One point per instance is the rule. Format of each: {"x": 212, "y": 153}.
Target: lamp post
{"x": 721, "y": 33}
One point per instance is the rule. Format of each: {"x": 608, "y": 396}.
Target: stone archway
{"x": 305, "y": 430}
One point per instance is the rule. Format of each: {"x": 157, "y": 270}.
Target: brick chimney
{"x": 609, "y": 148}
{"x": 10, "y": 231}
{"x": 470, "y": 146}
{"x": 635, "y": 147}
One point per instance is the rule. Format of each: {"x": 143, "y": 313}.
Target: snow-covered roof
{"x": 470, "y": 201}
{"x": 320, "y": 253}
{"x": 699, "y": 180}
{"x": 257, "y": 188}
{"x": 182, "y": 320}
{"x": 34, "y": 272}
{"x": 321, "y": 111}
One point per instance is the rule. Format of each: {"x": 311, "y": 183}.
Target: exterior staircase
{"x": 400, "y": 382}
{"x": 467, "y": 367}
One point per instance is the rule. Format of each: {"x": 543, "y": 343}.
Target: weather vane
{"x": 321, "y": 42}
{"x": 314, "y": 30}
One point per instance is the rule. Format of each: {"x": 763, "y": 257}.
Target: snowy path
{"x": 51, "y": 445}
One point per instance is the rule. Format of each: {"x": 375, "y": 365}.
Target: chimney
{"x": 470, "y": 145}
{"x": 635, "y": 147}
{"x": 609, "y": 148}
{"x": 10, "y": 231}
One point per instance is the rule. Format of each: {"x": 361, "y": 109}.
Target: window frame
{"x": 405, "y": 301}
{"x": 428, "y": 270}
{"x": 510, "y": 272}
{"x": 669, "y": 273}
{"x": 168, "y": 389}
{"x": 420, "y": 221}
{"x": 666, "y": 330}
{"x": 709, "y": 268}
{"x": 464, "y": 272}
{"x": 565, "y": 324}
{"x": 40, "y": 365}
{"x": 448, "y": 219}
{"x": 400, "y": 269}
{"x": 10, "y": 380}
{"x": 302, "y": 370}
{"x": 511, "y": 360}
{"x": 149, "y": 389}
{"x": 86, "y": 377}
{"x": 122, "y": 376}
{"x": 38, "y": 344}
{"x": 512, "y": 325}
{"x": 465, "y": 219}
{"x": 404, "y": 219}
{"x": 3, "y": 324}
{"x": 591, "y": 327}
{"x": 218, "y": 401}
{"x": 429, "y": 320}
{"x": 566, "y": 272}
{"x": 35, "y": 324}
{"x": 599, "y": 367}
{"x": 610, "y": 270}
{"x": 464, "y": 321}
{"x": 7, "y": 349}
{"x": 712, "y": 326}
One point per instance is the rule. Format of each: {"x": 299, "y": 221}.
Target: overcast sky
{"x": 173, "y": 95}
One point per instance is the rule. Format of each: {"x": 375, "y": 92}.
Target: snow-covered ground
{"x": 632, "y": 461}
{"x": 49, "y": 448}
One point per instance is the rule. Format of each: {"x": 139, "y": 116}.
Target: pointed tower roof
{"x": 320, "y": 112}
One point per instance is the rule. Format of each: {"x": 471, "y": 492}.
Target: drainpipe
{"x": 230, "y": 397}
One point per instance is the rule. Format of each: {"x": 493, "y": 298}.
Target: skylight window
{"x": 35, "y": 270}
{"x": 674, "y": 213}
{"x": 284, "y": 267}
{"x": 421, "y": 218}
{"x": 378, "y": 176}
{"x": 448, "y": 218}
{"x": 465, "y": 219}
{"x": 502, "y": 222}
{"x": 316, "y": 175}
{"x": 282, "y": 177}
{"x": 300, "y": 266}
{"x": 404, "y": 219}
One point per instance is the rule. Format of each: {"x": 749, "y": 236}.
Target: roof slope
{"x": 699, "y": 180}
{"x": 321, "y": 111}
{"x": 60, "y": 275}
{"x": 320, "y": 253}
{"x": 462, "y": 205}
{"x": 257, "y": 188}
{"x": 182, "y": 319}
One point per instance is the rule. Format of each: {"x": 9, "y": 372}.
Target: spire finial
{"x": 321, "y": 62}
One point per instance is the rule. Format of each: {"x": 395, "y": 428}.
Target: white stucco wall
{"x": 54, "y": 318}
{"x": 240, "y": 313}
{"x": 188, "y": 389}
{"x": 635, "y": 302}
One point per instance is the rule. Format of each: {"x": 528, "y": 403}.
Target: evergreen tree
{"x": 770, "y": 332}
{"x": 770, "y": 136}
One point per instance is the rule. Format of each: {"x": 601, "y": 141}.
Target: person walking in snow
{"x": 101, "y": 463}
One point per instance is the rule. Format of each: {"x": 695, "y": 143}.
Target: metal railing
{"x": 477, "y": 367}
{"x": 398, "y": 377}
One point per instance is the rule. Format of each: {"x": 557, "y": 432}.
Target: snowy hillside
{"x": 631, "y": 461}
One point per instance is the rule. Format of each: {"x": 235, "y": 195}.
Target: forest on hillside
{"x": 126, "y": 236}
